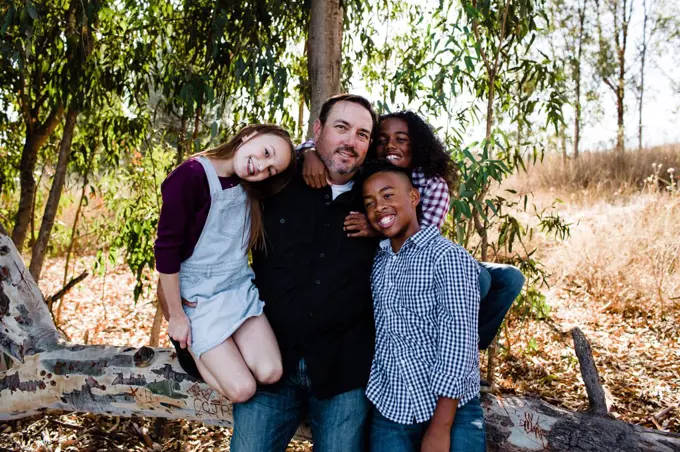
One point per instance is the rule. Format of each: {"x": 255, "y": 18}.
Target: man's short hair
{"x": 328, "y": 105}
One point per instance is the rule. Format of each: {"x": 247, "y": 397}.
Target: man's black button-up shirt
{"x": 315, "y": 282}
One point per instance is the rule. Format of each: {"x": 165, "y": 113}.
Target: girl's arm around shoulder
{"x": 435, "y": 202}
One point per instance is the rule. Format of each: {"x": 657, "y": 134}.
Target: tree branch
{"x": 591, "y": 378}
{"x": 66, "y": 289}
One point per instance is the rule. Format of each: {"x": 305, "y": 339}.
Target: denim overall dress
{"x": 217, "y": 276}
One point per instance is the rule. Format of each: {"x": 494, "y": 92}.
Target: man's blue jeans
{"x": 268, "y": 421}
{"x": 499, "y": 285}
{"x": 467, "y": 435}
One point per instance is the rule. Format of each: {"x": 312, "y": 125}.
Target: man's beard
{"x": 341, "y": 170}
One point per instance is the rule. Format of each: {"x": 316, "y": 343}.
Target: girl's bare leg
{"x": 259, "y": 349}
{"x": 224, "y": 369}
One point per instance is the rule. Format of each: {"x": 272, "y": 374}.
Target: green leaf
{"x": 32, "y": 11}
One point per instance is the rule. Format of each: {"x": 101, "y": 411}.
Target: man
{"x": 314, "y": 280}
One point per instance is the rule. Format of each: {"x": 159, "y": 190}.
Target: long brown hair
{"x": 258, "y": 191}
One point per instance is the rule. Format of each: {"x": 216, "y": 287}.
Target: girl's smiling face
{"x": 393, "y": 143}
{"x": 261, "y": 156}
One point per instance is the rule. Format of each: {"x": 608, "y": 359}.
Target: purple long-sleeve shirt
{"x": 186, "y": 203}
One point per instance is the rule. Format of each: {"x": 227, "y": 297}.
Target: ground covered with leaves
{"x": 616, "y": 278}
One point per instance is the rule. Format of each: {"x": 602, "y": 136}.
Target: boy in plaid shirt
{"x": 424, "y": 381}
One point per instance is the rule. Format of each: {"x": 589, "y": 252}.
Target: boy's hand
{"x": 314, "y": 172}
{"x": 179, "y": 328}
{"x": 356, "y": 225}
{"x": 437, "y": 439}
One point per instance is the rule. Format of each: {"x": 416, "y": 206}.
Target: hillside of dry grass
{"x": 616, "y": 277}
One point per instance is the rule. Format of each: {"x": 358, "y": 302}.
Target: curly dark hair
{"x": 427, "y": 150}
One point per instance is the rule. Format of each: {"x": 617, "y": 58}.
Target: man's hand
{"x": 437, "y": 438}
{"x": 356, "y": 225}
{"x": 179, "y": 328}
{"x": 314, "y": 171}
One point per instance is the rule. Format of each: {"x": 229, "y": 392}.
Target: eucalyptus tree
{"x": 459, "y": 67}
{"x": 611, "y": 63}
{"x": 659, "y": 24}
{"x": 225, "y": 60}
{"x": 571, "y": 22}
{"x": 32, "y": 54}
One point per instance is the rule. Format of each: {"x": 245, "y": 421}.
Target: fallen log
{"x": 46, "y": 373}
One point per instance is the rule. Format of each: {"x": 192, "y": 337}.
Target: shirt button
{"x": 321, "y": 255}
{"x": 327, "y": 196}
{"x": 328, "y": 203}
{"x": 311, "y": 314}
{"x": 282, "y": 220}
{"x": 318, "y": 282}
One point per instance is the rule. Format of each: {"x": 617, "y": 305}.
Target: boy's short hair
{"x": 384, "y": 166}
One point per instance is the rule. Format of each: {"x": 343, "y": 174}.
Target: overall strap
{"x": 213, "y": 179}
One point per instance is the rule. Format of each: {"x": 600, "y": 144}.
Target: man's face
{"x": 390, "y": 201}
{"x": 343, "y": 141}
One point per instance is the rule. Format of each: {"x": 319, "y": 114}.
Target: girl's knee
{"x": 269, "y": 373}
{"x": 241, "y": 392}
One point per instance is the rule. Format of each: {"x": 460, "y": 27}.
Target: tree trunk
{"x": 47, "y": 374}
{"x": 627, "y": 12}
{"x": 577, "y": 79}
{"x": 156, "y": 328}
{"x": 620, "y": 111}
{"x": 32, "y": 144}
{"x": 83, "y": 193}
{"x": 181, "y": 141}
{"x": 325, "y": 52}
{"x": 40, "y": 246}
{"x": 643, "y": 55}
{"x": 38, "y": 184}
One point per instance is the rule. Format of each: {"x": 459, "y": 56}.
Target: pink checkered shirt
{"x": 434, "y": 198}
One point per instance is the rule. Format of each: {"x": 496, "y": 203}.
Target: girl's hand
{"x": 314, "y": 171}
{"x": 356, "y": 225}
{"x": 179, "y": 328}
{"x": 437, "y": 439}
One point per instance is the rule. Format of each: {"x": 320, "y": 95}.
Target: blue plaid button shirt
{"x": 426, "y": 302}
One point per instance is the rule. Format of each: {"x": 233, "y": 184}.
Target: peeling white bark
{"x": 48, "y": 374}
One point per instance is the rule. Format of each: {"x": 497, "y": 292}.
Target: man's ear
{"x": 415, "y": 196}
{"x": 317, "y": 129}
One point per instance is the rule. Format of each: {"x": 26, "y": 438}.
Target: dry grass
{"x": 599, "y": 174}
{"x": 617, "y": 279}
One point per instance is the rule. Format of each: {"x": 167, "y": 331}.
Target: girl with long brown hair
{"x": 210, "y": 218}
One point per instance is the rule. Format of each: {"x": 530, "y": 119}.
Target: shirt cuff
{"x": 304, "y": 146}
{"x": 167, "y": 262}
{"x": 446, "y": 385}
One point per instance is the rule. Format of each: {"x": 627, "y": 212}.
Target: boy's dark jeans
{"x": 467, "y": 435}
{"x": 499, "y": 285}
